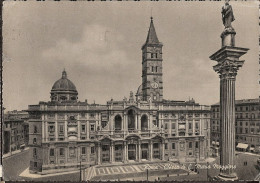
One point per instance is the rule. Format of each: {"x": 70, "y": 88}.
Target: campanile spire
{"x": 152, "y": 84}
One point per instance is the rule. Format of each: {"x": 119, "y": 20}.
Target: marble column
{"x": 151, "y": 151}
{"x": 163, "y": 150}
{"x": 99, "y": 154}
{"x": 139, "y": 152}
{"x": 227, "y": 67}
{"x": 113, "y": 152}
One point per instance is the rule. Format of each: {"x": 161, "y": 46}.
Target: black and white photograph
{"x": 130, "y": 91}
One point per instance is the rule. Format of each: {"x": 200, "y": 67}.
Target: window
{"x": 197, "y": 125}
{"x": 82, "y": 115}
{"x": 51, "y": 129}
{"x": 83, "y": 128}
{"x": 173, "y": 126}
{"x": 62, "y": 152}
{"x": 35, "y": 130}
{"x": 246, "y": 123}
{"x": 83, "y": 150}
{"x": 61, "y": 128}
{"x": 92, "y": 128}
{"x": 252, "y": 130}
{"x": 190, "y": 145}
{"x": 34, "y": 141}
{"x": 35, "y": 164}
{"x": 166, "y": 146}
{"x": 246, "y": 130}
{"x": 156, "y": 69}
{"x": 190, "y": 126}
{"x": 72, "y": 151}
{"x": 156, "y": 56}
{"x": 197, "y": 145}
{"x": 152, "y": 55}
{"x": 152, "y": 68}
{"x": 34, "y": 152}
{"x": 92, "y": 115}
{"x": 166, "y": 126}
{"x": 92, "y": 150}
{"x": 173, "y": 145}
{"x": 51, "y": 152}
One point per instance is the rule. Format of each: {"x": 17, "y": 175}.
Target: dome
{"x": 64, "y": 84}
{"x": 63, "y": 89}
{"x": 140, "y": 90}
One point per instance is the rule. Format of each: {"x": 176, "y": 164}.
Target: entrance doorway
{"x": 156, "y": 151}
{"x": 132, "y": 152}
{"x": 144, "y": 148}
{"x": 118, "y": 153}
{"x": 105, "y": 153}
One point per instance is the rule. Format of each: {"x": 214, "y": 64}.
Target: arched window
{"x": 131, "y": 119}
{"x": 118, "y": 123}
{"x": 144, "y": 123}
{"x": 35, "y": 130}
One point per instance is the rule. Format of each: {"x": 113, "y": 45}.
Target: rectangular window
{"x": 190, "y": 145}
{"x": 166, "y": 146}
{"x": 72, "y": 151}
{"x": 197, "y": 144}
{"x": 62, "y": 152}
{"x": 190, "y": 126}
{"x": 83, "y": 115}
{"x": 173, "y": 126}
{"x": 83, "y": 150}
{"x": 246, "y": 130}
{"x": 173, "y": 145}
{"x": 166, "y": 126}
{"x": 197, "y": 125}
{"x": 83, "y": 128}
{"x": 151, "y": 55}
{"x": 51, "y": 152}
{"x": 35, "y": 164}
{"x": 92, "y": 128}
{"x": 34, "y": 152}
{"x": 51, "y": 129}
{"x": 92, "y": 150}
{"x": 61, "y": 128}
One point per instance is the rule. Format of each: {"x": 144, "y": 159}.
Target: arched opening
{"x": 131, "y": 119}
{"x": 144, "y": 123}
{"x": 118, "y": 123}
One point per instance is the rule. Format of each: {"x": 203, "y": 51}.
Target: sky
{"x": 99, "y": 45}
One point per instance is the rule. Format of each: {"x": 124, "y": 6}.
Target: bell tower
{"x": 152, "y": 83}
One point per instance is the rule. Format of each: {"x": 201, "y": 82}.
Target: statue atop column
{"x": 228, "y": 35}
{"x": 227, "y": 15}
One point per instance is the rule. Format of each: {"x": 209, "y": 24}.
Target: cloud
{"x": 99, "y": 46}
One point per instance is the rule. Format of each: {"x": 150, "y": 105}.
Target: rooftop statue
{"x": 227, "y": 15}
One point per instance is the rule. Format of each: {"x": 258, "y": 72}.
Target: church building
{"x": 65, "y": 133}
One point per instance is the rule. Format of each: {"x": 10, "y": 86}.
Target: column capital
{"x": 228, "y": 69}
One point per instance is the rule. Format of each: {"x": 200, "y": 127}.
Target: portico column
{"x": 126, "y": 152}
{"x": 151, "y": 150}
{"x": 227, "y": 67}
{"x": 113, "y": 152}
{"x": 163, "y": 147}
{"x": 99, "y": 153}
{"x": 139, "y": 151}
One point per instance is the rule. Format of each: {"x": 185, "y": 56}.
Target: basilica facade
{"x": 65, "y": 133}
